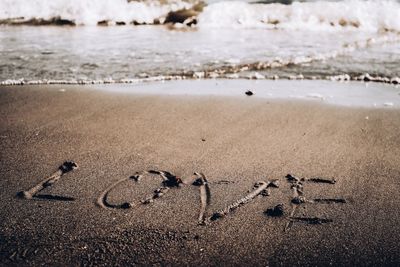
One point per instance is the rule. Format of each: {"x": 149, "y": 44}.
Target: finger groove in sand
{"x": 205, "y": 195}
{"x": 311, "y": 220}
{"x": 221, "y": 213}
{"x": 298, "y": 199}
{"x": 168, "y": 180}
{"x": 297, "y": 196}
{"x": 66, "y": 167}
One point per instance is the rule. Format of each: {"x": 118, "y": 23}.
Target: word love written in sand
{"x": 170, "y": 181}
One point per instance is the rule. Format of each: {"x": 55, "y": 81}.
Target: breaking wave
{"x": 366, "y": 15}
{"x": 85, "y": 12}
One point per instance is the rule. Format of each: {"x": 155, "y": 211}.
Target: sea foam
{"x": 365, "y": 15}
{"x": 88, "y": 12}
{"x": 371, "y": 15}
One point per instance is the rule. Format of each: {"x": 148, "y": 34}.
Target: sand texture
{"x": 185, "y": 180}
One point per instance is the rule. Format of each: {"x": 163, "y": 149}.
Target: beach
{"x": 235, "y": 141}
{"x": 199, "y": 133}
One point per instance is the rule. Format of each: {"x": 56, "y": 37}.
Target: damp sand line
{"x": 65, "y": 168}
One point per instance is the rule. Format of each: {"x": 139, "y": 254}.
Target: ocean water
{"x": 336, "y": 40}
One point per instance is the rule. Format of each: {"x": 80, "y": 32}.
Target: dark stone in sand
{"x": 298, "y": 200}
{"x": 216, "y": 216}
{"x": 249, "y": 93}
{"x": 274, "y": 183}
{"x": 265, "y": 192}
{"x": 292, "y": 178}
{"x": 276, "y": 211}
{"x": 68, "y": 166}
{"x": 172, "y": 180}
{"x": 126, "y": 205}
{"x": 198, "y": 182}
{"x": 173, "y": 183}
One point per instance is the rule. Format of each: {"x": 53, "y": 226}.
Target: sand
{"x": 233, "y": 141}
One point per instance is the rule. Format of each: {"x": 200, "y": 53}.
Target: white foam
{"x": 88, "y": 12}
{"x": 370, "y": 15}
{"x": 388, "y": 104}
{"x": 315, "y": 96}
{"x": 201, "y": 75}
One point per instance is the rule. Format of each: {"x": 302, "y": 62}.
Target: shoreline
{"x": 213, "y": 76}
{"x": 344, "y": 93}
{"x": 234, "y": 141}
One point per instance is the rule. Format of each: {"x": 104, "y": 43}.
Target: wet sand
{"x": 234, "y": 141}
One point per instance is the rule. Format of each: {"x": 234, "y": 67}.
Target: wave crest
{"x": 87, "y": 12}
{"x": 368, "y": 15}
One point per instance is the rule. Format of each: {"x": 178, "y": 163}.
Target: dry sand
{"x": 235, "y": 142}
